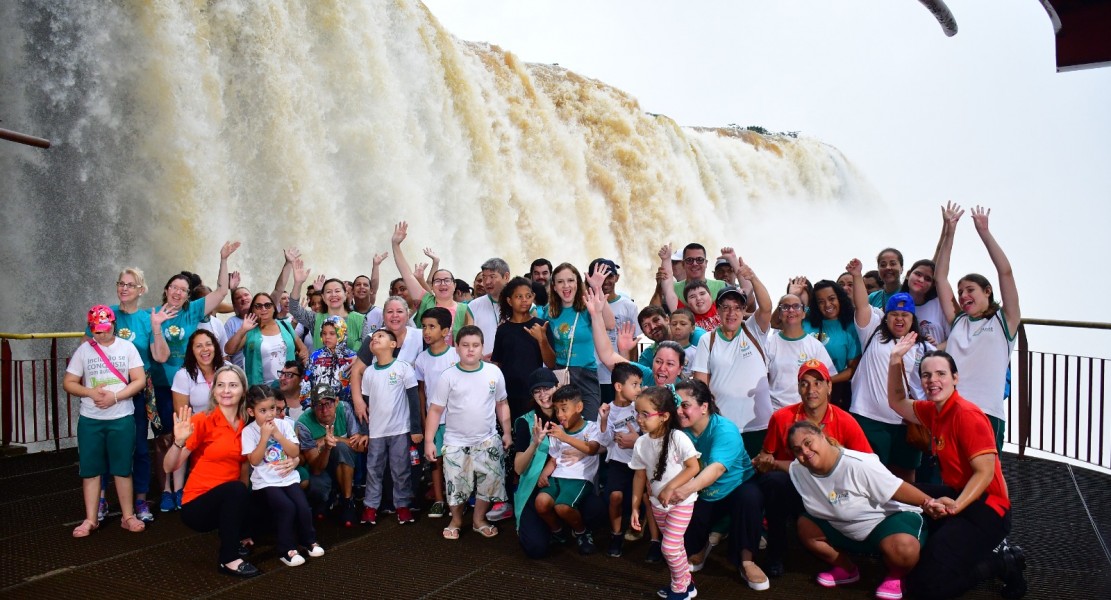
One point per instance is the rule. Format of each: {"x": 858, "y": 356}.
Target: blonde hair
{"x": 241, "y": 408}
{"x": 137, "y": 274}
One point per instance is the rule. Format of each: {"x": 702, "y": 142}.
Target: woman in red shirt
{"x": 216, "y": 495}
{"x": 977, "y": 509}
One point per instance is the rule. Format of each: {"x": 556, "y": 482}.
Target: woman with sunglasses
{"x": 267, "y": 343}
{"x": 335, "y": 301}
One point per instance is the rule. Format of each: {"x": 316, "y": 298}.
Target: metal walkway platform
{"x": 1062, "y": 518}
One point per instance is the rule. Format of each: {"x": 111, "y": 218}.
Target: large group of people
{"x": 739, "y": 419}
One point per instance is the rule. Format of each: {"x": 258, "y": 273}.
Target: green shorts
{"x": 569, "y": 492}
{"x": 105, "y": 447}
{"x": 889, "y": 442}
{"x": 998, "y": 427}
{"x": 908, "y": 522}
{"x": 438, "y": 440}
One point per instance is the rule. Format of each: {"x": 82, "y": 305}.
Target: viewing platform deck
{"x": 1062, "y": 518}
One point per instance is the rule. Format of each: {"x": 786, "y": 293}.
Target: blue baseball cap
{"x": 901, "y": 301}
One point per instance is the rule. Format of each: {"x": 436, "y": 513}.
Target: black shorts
{"x": 619, "y": 478}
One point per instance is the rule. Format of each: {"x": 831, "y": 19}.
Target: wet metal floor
{"x": 1062, "y": 518}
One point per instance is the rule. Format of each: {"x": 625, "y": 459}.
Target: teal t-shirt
{"x": 721, "y": 443}
{"x": 879, "y": 298}
{"x": 581, "y": 349}
{"x": 177, "y": 331}
{"x": 842, "y": 343}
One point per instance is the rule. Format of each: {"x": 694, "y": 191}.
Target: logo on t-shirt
{"x": 174, "y": 333}
{"x": 838, "y": 496}
{"x": 939, "y": 444}
{"x": 493, "y": 386}
{"x": 274, "y": 451}
{"x": 392, "y": 379}
{"x": 126, "y": 334}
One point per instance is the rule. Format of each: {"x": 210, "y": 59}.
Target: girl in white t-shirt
{"x": 664, "y": 460}
{"x": 266, "y": 440}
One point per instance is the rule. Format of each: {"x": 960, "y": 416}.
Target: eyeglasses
{"x": 543, "y": 390}
{"x": 127, "y": 286}
{"x": 790, "y": 307}
{"x": 647, "y": 415}
{"x": 263, "y": 305}
{"x": 178, "y": 289}
{"x": 288, "y": 374}
{"x": 443, "y": 281}
{"x": 694, "y": 260}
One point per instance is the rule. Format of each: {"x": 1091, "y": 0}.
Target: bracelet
{"x": 115, "y": 398}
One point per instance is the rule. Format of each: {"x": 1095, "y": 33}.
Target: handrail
{"x": 42, "y": 336}
{"x": 1074, "y": 324}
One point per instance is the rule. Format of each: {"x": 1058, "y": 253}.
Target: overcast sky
{"x": 979, "y": 117}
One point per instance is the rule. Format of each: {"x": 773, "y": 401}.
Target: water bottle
{"x": 414, "y": 456}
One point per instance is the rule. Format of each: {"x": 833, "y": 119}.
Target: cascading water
{"x": 178, "y": 124}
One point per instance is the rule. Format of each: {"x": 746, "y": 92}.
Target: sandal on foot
{"x": 486, "y": 531}
{"x": 133, "y": 524}
{"x": 451, "y": 533}
{"x": 85, "y": 528}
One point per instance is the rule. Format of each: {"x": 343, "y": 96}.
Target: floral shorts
{"x": 477, "y": 469}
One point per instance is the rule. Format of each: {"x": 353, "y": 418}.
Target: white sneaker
{"x": 500, "y": 511}
{"x": 295, "y": 560}
{"x": 316, "y": 551}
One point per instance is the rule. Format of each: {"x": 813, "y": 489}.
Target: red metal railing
{"x": 34, "y": 409}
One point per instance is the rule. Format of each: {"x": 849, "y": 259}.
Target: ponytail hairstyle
{"x": 983, "y": 283}
{"x": 663, "y": 400}
{"x": 259, "y": 393}
{"x": 700, "y": 392}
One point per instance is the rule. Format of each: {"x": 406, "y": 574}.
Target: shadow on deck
{"x": 1062, "y": 518}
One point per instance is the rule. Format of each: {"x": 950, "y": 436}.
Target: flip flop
{"x": 451, "y": 533}
{"x": 486, "y": 531}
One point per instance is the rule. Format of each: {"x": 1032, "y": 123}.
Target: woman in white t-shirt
{"x": 106, "y": 427}
{"x": 788, "y": 348}
{"x": 983, "y": 331}
{"x": 855, "y": 505}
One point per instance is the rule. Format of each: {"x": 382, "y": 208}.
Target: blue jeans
{"x": 140, "y": 471}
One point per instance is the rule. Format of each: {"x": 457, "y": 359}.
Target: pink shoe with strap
{"x": 890, "y": 589}
{"x": 838, "y": 576}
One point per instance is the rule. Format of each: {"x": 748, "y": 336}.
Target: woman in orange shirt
{"x": 216, "y": 495}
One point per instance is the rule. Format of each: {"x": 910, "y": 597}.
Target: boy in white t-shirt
{"x": 620, "y": 434}
{"x": 572, "y": 464}
{"x": 105, "y": 373}
{"x": 470, "y": 395}
{"x": 389, "y": 388}
{"x": 428, "y": 365}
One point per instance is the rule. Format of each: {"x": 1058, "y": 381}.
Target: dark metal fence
{"x": 34, "y": 409}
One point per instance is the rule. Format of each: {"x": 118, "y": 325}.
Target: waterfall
{"x": 178, "y": 124}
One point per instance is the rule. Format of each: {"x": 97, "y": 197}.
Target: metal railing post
{"x": 53, "y": 387}
{"x": 7, "y": 409}
{"x": 1024, "y": 404}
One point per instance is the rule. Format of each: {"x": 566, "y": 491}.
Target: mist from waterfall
{"x": 178, "y": 124}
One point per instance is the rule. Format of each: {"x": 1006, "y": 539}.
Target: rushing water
{"x": 178, "y": 124}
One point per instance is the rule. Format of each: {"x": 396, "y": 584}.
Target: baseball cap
{"x": 814, "y": 365}
{"x": 721, "y": 261}
{"x": 541, "y": 378}
{"x": 901, "y": 301}
{"x": 323, "y": 391}
{"x": 602, "y": 261}
{"x": 731, "y": 291}
{"x": 101, "y": 319}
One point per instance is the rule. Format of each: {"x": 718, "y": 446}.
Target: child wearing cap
{"x": 878, "y": 333}
{"x": 105, "y": 372}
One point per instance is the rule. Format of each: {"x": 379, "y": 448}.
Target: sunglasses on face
{"x": 263, "y": 305}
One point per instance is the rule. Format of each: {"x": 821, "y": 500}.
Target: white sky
{"x": 981, "y": 117}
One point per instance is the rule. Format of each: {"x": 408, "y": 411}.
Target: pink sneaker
{"x": 890, "y": 589}
{"x": 838, "y": 576}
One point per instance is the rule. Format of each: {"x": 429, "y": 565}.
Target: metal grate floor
{"x": 40, "y": 503}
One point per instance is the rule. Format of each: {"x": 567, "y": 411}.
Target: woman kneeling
{"x": 854, "y": 504}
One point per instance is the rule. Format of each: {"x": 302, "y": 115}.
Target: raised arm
{"x": 1008, "y": 291}
{"x": 896, "y": 389}
{"x": 214, "y": 299}
{"x": 595, "y": 304}
{"x": 291, "y": 254}
{"x": 860, "y": 293}
{"x": 759, "y": 290}
{"x": 374, "y": 277}
{"x": 667, "y": 284}
{"x": 950, "y": 215}
{"x": 236, "y": 342}
{"x": 594, "y": 282}
{"x": 159, "y": 349}
{"x": 435, "y": 258}
{"x": 412, "y": 283}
